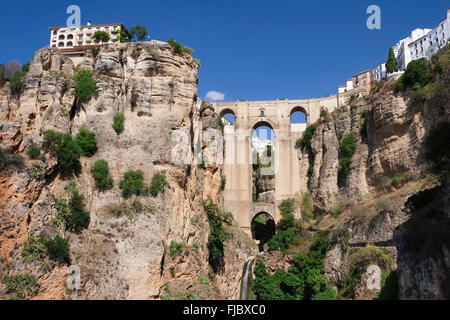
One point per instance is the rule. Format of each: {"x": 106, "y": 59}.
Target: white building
{"x": 401, "y": 49}
{"x": 429, "y": 44}
{"x": 379, "y": 72}
{"x": 79, "y": 37}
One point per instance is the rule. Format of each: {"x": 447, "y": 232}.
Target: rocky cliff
{"x": 123, "y": 255}
{"x": 365, "y": 210}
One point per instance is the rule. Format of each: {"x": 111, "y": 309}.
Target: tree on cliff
{"x": 100, "y": 36}
{"x": 139, "y": 31}
{"x": 391, "y": 64}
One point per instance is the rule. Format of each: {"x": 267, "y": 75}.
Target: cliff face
{"x": 391, "y": 144}
{"x": 125, "y": 256}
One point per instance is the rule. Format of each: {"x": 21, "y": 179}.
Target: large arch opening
{"x": 228, "y": 117}
{"x": 263, "y": 166}
{"x": 263, "y": 229}
{"x": 298, "y": 119}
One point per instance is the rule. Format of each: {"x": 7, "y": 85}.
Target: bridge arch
{"x": 299, "y": 109}
{"x": 229, "y": 115}
{"x": 261, "y": 123}
{"x": 263, "y": 228}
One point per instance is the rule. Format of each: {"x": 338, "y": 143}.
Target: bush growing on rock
{"x": 118, "y": 121}
{"x": 218, "y": 235}
{"x": 33, "y": 151}
{"x": 10, "y": 159}
{"x": 100, "y": 36}
{"x": 34, "y": 249}
{"x": 307, "y": 137}
{"x": 417, "y": 75}
{"x": 79, "y": 217}
{"x": 304, "y": 280}
{"x": 347, "y": 148}
{"x": 176, "y": 248}
{"x": 21, "y": 286}
{"x": 66, "y": 150}
{"x": 100, "y": 172}
{"x": 16, "y": 82}
{"x": 85, "y": 86}
{"x": 158, "y": 184}
{"x": 86, "y": 141}
{"x": 58, "y": 249}
{"x": 178, "y": 48}
{"x": 132, "y": 182}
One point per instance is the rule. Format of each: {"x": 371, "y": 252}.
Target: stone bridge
{"x": 238, "y": 154}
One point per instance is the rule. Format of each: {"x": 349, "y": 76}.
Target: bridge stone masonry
{"x": 276, "y": 115}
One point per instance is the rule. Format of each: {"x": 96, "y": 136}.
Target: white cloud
{"x": 215, "y": 96}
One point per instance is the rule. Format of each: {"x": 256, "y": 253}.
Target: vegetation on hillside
{"x": 66, "y": 150}
{"x": 85, "y": 86}
{"x": 132, "y": 182}
{"x": 391, "y": 63}
{"x": 138, "y": 31}
{"x": 218, "y": 235}
{"x": 178, "y": 48}
{"x": 118, "y": 121}
{"x": 307, "y": 136}
{"x": 347, "y": 148}
{"x": 100, "y": 172}
{"x": 304, "y": 280}
{"x": 100, "y": 36}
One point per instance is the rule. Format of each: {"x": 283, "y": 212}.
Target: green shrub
{"x": 158, "y": 184}
{"x": 310, "y": 173}
{"x": 16, "y": 82}
{"x": 385, "y": 182}
{"x": 282, "y": 240}
{"x": 138, "y": 31}
{"x": 58, "y": 249}
{"x": 87, "y": 142}
{"x": 437, "y": 152}
{"x": 223, "y": 182}
{"x": 132, "y": 182}
{"x": 397, "y": 181}
{"x": 327, "y": 294}
{"x": 391, "y": 64}
{"x": 364, "y": 116}
{"x": 79, "y": 218}
{"x": 21, "y": 286}
{"x": 154, "y": 54}
{"x": 33, "y": 151}
{"x": 66, "y": 150}
{"x": 218, "y": 235}
{"x": 176, "y": 248}
{"x": 100, "y": 36}
{"x": 178, "y": 48}
{"x": 100, "y": 172}
{"x": 304, "y": 280}
{"x": 347, "y": 148}
{"x": 118, "y": 121}
{"x": 202, "y": 163}
{"x": 307, "y": 206}
{"x": 307, "y": 136}
{"x": 85, "y": 86}
{"x": 417, "y": 75}
{"x": 196, "y": 245}
{"x": 34, "y": 249}
{"x": 286, "y": 208}
{"x": 10, "y": 159}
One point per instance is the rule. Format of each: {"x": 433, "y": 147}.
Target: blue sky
{"x": 249, "y": 50}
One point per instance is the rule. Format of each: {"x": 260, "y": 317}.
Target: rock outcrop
{"x": 123, "y": 256}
